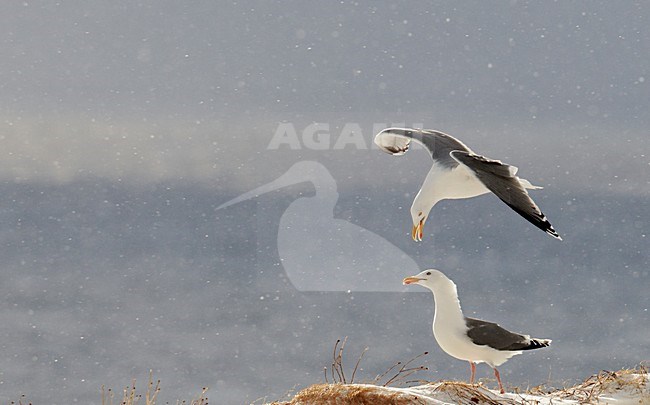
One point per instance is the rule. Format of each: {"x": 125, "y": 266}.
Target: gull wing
{"x": 396, "y": 141}
{"x": 501, "y": 179}
{"x": 490, "y": 334}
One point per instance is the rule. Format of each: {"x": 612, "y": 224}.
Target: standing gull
{"x": 458, "y": 172}
{"x": 466, "y": 338}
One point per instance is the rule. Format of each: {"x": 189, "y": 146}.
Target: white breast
{"x": 460, "y": 182}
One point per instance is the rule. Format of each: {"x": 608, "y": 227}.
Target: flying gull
{"x": 458, "y": 172}
{"x": 467, "y": 338}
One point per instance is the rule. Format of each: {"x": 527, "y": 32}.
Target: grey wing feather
{"x": 487, "y": 333}
{"x": 396, "y": 141}
{"x": 501, "y": 180}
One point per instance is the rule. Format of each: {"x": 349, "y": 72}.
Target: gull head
{"x": 428, "y": 278}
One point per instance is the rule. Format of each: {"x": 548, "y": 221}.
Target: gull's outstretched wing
{"x": 501, "y": 179}
{"x": 396, "y": 141}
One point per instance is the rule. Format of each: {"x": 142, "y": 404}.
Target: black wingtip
{"x": 548, "y": 228}
{"x": 539, "y": 221}
{"x": 538, "y": 344}
{"x": 553, "y": 232}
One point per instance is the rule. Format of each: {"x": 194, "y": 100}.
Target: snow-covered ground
{"x": 621, "y": 387}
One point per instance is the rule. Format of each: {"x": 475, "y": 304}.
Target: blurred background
{"x": 125, "y": 125}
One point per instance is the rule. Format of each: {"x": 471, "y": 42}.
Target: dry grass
{"x": 352, "y": 394}
{"x": 130, "y": 395}
{"x": 471, "y": 394}
{"x": 357, "y": 394}
{"x": 632, "y": 381}
{"x": 395, "y": 375}
{"x": 400, "y": 372}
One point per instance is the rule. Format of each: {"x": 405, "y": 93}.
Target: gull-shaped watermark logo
{"x": 322, "y": 253}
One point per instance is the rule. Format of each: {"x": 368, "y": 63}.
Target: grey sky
{"x": 167, "y": 90}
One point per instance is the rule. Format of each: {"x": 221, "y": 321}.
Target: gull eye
{"x": 428, "y": 273}
{"x": 420, "y": 214}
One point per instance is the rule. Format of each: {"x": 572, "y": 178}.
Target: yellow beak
{"x": 418, "y": 230}
{"x": 410, "y": 280}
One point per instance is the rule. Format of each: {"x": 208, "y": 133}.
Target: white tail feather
{"x": 528, "y": 185}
